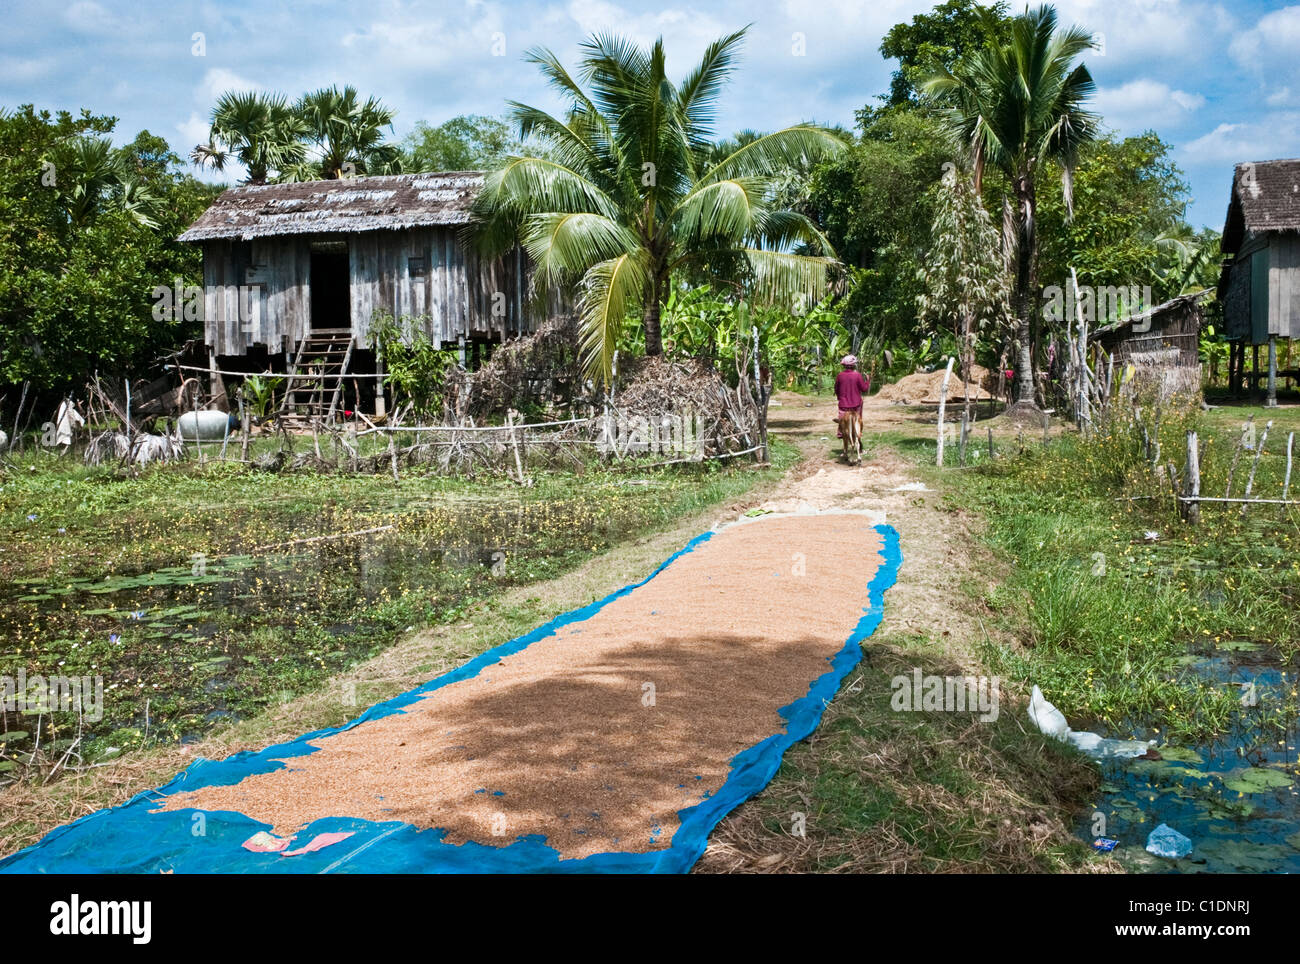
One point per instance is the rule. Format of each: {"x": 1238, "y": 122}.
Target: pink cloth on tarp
{"x": 319, "y": 842}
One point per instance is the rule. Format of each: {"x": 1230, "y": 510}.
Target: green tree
{"x": 469, "y": 142}
{"x": 875, "y": 204}
{"x": 94, "y": 175}
{"x": 263, "y": 132}
{"x": 347, "y": 136}
{"x": 939, "y": 39}
{"x": 1019, "y": 107}
{"x": 964, "y": 277}
{"x": 78, "y": 264}
{"x": 1127, "y": 226}
{"x": 629, "y": 193}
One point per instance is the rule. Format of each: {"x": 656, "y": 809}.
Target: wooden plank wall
{"x": 1236, "y": 301}
{"x": 277, "y": 296}
{"x": 457, "y": 294}
{"x": 1284, "y": 286}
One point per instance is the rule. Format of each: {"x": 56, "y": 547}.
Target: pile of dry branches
{"x": 659, "y": 387}
{"x": 542, "y": 367}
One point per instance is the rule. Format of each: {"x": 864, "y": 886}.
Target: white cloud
{"x": 1271, "y": 43}
{"x": 217, "y": 81}
{"x": 193, "y": 130}
{"x": 89, "y": 17}
{"x": 1132, "y": 31}
{"x": 1276, "y": 135}
{"x": 1283, "y": 97}
{"x": 1143, "y": 104}
{"x": 27, "y": 70}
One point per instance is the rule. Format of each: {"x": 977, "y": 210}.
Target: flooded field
{"x": 216, "y": 637}
{"x": 1236, "y": 796}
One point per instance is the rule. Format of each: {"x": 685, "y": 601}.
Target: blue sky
{"x": 1219, "y": 80}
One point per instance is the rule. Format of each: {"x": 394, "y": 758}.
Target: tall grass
{"x": 1106, "y": 595}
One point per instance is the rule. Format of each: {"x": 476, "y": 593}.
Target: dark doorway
{"x": 330, "y": 304}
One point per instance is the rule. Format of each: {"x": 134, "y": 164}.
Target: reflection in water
{"x": 217, "y": 638}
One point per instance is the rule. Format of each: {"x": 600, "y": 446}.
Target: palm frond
{"x": 610, "y": 291}
{"x": 781, "y": 278}
{"x": 565, "y": 246}
{"x": 697, "y": 96}
{"x": 727, "y": 210}
{"x": 801, "y": 145}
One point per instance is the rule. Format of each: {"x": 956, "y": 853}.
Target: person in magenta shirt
{"x": 850, "y": 388}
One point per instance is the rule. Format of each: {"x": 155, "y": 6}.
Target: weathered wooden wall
{"x": 274, "y": 307}
{"x": 456, "y": 294}
{"x": 1284, "y": 286}
{"x": 1263, "y": 296}
{"x": 1236, "y": 302}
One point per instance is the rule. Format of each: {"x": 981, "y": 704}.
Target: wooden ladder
{"x": 327, "y": 353}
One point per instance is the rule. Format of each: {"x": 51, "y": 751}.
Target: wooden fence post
{"x": 1286, "y": 483}
{"x": 943, "y": 402}
{"x": 1236, "y": 455}
{"x": 1254, "y": 466}
{"x": 1191, "y": 511}
{"x": 245, "y": 418}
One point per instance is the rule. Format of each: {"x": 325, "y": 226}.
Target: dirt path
{"x": 936, "y": 545}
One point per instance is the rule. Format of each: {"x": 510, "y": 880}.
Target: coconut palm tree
{"x": 260, "y": 131}
{"x": 1019, "y": 107}
{"x": 629, "y": 193}
{"x": 348, "y": 134}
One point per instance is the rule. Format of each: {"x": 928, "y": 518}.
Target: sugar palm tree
{"x": 94, "y": 177}
{"x": 347, "y": 133}
{"x": 1019, "y": 107}
{"x": 630, "y": 192}
{"x": 260, "y": 131}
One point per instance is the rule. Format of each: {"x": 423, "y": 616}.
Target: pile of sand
{"x": 923, "y": 387}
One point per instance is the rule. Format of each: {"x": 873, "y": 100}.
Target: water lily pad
{"x": 1294, "y": 840}
{"x": 1181, "y": 754}
{"x": 1254, "y": 780}
{"x": 1164, "y": 770}
{"x": 1229, "y": 809}
{"x": 1239, "y": 646}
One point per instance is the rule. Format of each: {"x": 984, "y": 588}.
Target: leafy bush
{"x": 415, "y": 369}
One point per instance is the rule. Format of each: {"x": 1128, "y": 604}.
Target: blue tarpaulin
{"x": 131, "y": 839}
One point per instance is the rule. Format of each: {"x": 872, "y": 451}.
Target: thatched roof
{"x": 1155, "y": 311}
{"x": 1265, "y": 197}
{"x": 384, "y": 202}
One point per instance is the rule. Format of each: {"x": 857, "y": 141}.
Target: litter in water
{"x": 1051, "y": 722}
{"x": 1165, "y": 841}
